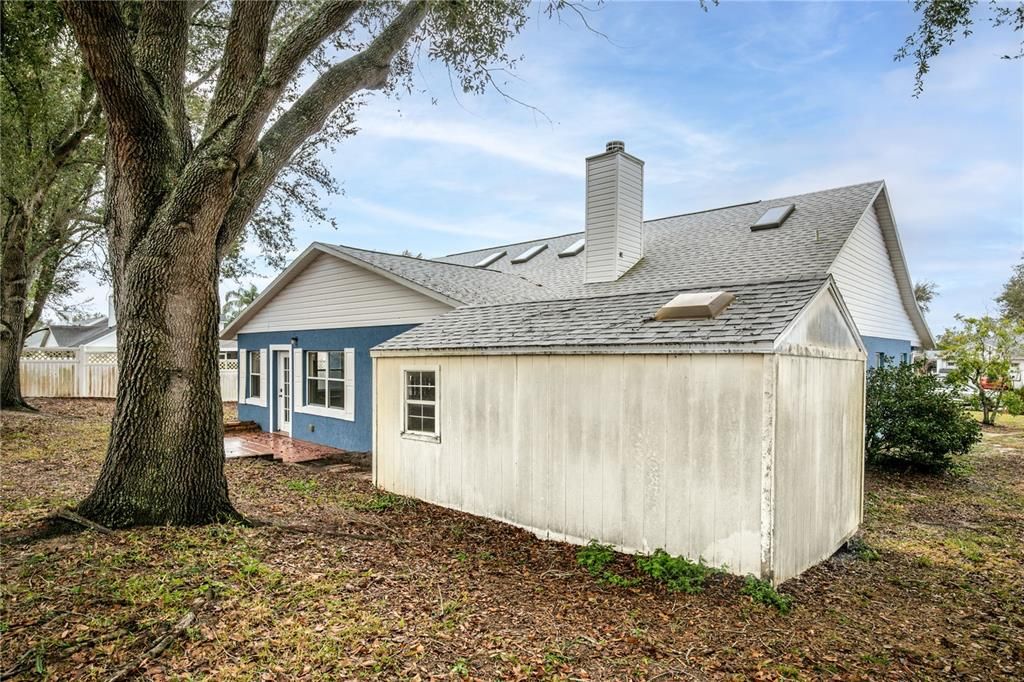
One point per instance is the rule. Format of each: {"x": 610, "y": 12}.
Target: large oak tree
{"x": 181, "y": 192}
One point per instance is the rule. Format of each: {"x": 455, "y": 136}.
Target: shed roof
{"x": 758, "y": 315}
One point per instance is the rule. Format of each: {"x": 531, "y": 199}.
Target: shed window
{"x": 255, "y": 379}
{"x": 421, "y": 402}
{"x": 325, "y": 378}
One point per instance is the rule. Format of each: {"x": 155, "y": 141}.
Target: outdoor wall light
{"x": 294, "y": 340}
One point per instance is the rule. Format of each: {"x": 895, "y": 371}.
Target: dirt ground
{"x": 369, "y": 585}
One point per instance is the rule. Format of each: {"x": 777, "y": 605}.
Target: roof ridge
{"x": 437, "y": 262}
{"x": 503, "y": 246}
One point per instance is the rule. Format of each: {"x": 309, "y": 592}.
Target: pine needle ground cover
{"x": 352, "y": 583}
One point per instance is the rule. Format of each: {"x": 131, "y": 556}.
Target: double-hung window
{"x": 325, "y": 379}
{"x": 421, "y": 402}
{"x": 255, "y": 374}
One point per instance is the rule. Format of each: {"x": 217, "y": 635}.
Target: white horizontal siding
{"x": 614, "y": 216}
{"x": 330, "y": 293}
{"x": 864, "y": 274}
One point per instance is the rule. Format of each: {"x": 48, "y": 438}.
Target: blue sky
{"x": 747, "y": 101}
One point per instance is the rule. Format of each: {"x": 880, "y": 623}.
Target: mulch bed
{"x": 355, "y": 583}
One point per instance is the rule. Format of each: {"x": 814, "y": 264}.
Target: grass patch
{"x": 301, "y": 485}
{"x": 380, "y": 502}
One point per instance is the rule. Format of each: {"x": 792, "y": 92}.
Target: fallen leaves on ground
{"x": 362, "y": 584}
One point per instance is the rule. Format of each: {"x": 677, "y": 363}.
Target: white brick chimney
{"x": 615, "y": 213}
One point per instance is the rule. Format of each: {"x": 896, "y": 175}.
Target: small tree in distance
{"x": 914, "y": 421}
{"x": 980, "y": 351}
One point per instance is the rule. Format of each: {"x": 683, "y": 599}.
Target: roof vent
{"x": 615, "y": 146}
{"x": 494, "y": 257}
{"x": 701, "y": 305}
{"x": 773, "y": 217}
{"x": 529, "y": 253}
{"x": 573, "y": 249}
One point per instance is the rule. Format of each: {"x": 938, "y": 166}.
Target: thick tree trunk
{"x": 165, "y": 459}
{"x": 13, "y": 307}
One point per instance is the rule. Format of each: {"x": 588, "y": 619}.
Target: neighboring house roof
{"x": 759, "y": 314}
{"x": 706, "y": 249}
{"x": 71, "y": 335}
{"x": 37, "y": 338}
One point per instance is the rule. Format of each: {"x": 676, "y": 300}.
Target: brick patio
{"x": 279, "y": 447}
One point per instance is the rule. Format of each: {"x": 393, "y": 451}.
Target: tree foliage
{"x": 943, "y": 22}
{"x": 52, "y": 127}
{"x": 912, "y": 419}
{"x": 1011, "y": 299}
{"x": 981, "y": 350}
{"x": 924, "y": 293}
{"x": 237, "y": 300}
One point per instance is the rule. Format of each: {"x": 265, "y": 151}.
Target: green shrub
{"x": 762, "y": 591}
{"x": 1013, "y": 401}
{"x": 596, "y": 558}
{"x": 913, "y": 419}
{"x": 677, "y": 573}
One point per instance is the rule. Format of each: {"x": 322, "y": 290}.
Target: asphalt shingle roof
{"x": 710, "y": 248}
{"x": 70, "y": 335}
{"x": 465, "y": 284}
{"x": 758, "y": 315}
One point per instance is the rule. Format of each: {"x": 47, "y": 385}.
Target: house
{"x": 100, "y": 332}
{"x": 694, "y": 383}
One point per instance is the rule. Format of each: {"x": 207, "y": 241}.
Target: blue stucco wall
{"x": 355, "y": 436}
{"x": 894, "y": 349}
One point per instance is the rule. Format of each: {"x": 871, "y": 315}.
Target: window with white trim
{"x": 421, "y": 402}
{"x": 325, "y": 379}
{"x": 255, "y": 379}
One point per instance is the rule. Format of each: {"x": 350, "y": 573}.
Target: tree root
{"x": 69, "y": 515}
{"x": 23, "y": 663}
{"x": 161, "y": 646}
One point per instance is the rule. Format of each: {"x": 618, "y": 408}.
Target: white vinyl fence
{"x": 87, "y": 372}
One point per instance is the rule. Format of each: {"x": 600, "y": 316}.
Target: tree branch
{"x": 105, "y": 43}
{"x": 161, "y": 50}
{"x": 368, "y": 69}
{"x": 244, "y": 53}
{"x": 300, "y": 43}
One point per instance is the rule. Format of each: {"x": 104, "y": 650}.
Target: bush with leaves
{"x": 1013, "y": 401}
{"x": 913, "y": 419}
{"x": 679, "y": 574}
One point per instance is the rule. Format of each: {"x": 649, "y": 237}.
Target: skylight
{"x": 700, "y": 305}
{"x": 529, "y": 253}
{"x": 773, "y": 217}
{"x": 573, "y": 249}
{"x": 494, "y": 257}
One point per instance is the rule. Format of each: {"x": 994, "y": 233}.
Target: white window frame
{"x": 299, "y": 368}
{"x": 243, "y": 378}
{"x": 434, "y": 437}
